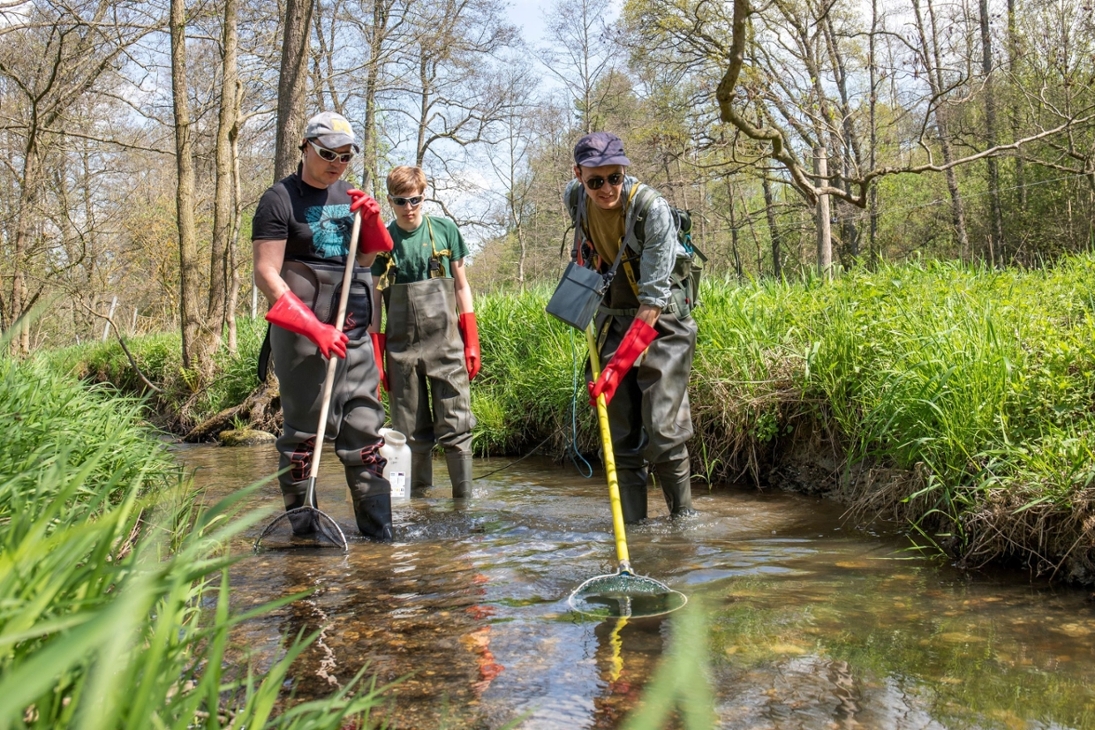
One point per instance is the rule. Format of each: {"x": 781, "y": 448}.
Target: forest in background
{"x": 136, "y": 137}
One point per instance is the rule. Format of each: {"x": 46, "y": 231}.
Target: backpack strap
{"x": 638, "y": 206}
{"x": 687, "y": 281}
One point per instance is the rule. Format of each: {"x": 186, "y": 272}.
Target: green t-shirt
{"x": 411, "y": 251}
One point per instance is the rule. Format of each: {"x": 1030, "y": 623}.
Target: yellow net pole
{"x": 609, "y": 458}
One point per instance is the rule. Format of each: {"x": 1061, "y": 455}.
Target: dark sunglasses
{"x": 595, "y": 183}
{"x": 413, "y": 202}
{"x": 331, "y": 155}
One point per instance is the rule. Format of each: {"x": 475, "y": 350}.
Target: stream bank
{"x": 952, "y": 402}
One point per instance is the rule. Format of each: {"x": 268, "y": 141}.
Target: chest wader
{"x": 430, "y": 398}
{"x": 355, "y": 415}
{"x": 649, "y": 417}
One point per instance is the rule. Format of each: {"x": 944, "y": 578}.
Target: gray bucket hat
{"x": 331, "y": 130}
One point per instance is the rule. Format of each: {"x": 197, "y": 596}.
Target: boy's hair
{"x": 406, "y": 179}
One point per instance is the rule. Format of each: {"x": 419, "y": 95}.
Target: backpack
{"x": 688, "y": 270}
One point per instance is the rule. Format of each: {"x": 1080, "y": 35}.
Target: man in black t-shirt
{"x": 300, "y": 239}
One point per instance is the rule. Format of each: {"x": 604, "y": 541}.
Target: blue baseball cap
{"x": 598, "y": 149}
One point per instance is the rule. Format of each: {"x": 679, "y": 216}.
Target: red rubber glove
{"x": 380, "y": 342}
{"x": 290, "y": 313}
{"x": 374, "y": 234}
{"x": 469, "y": 330}
{"x": 638, "y": 338}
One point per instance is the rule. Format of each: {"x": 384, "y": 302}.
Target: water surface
{"x": 809, "y": 624}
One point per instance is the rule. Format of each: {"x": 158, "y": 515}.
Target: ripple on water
{"x": 809, "y": 624}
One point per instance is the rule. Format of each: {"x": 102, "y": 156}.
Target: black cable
{"x": 517, "y": 461}
{"x": 572, "y": 447}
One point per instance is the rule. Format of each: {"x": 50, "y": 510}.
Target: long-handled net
{"x": 309, "y": 527}
{"x": 621, "y": 593}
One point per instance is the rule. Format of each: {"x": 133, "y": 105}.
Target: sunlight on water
{"x": 810, "y": 625}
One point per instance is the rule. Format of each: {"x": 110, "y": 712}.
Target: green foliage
{"x": 159, "y": 358}
{"x": 970, "y": 387}
{"x": 114, "y": 603}
{"x": 527, "y": 384}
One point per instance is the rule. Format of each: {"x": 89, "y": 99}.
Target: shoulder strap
{"x": 643, "y": 199}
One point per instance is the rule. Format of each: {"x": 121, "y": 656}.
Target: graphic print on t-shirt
{"x": 331, "y": 226}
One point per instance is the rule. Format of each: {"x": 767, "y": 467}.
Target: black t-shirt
{"x": 315, "y": 223}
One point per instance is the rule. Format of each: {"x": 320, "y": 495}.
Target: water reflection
{"x": 809, "y": 626}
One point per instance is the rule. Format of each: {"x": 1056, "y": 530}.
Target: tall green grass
{"x": 181, "y": 399}
{"x": 954, "y": 400}
{"x": 114, "y": 602}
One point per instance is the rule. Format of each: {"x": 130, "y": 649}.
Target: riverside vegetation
{"x": 114, "y": 600}
{"x": 953, "y": 401}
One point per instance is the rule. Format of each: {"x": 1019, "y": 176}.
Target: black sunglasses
{"x": 595, "y": 183}
{"x": 331, "y": 155}
{"x": 413, "y": 202}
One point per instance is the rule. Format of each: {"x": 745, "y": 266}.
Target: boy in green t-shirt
{"x": 431, "y": 341}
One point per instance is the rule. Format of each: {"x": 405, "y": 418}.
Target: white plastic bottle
{"x": 398, "y": 469}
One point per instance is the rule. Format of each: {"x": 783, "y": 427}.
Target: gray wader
{"x": 649, "y": 416}
{"x": 354, "y": 418}
{"x": 430, "y": 396}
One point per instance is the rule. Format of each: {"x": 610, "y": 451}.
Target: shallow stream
{"x": 808, "y": 624}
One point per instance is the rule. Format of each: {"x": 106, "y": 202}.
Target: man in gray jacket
{"x": 645, "y": 333}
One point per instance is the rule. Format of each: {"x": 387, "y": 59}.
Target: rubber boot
{"x": 459, "y": 473}
{"x": 632, "y": 494}
{"x": 421, "y": 470}
{"x": 294, "y": 495}
{"x": 374, "y": 516}
{"x": 675, "y": 478}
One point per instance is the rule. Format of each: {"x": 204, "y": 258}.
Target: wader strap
{"x": 390, "y": 271}
{"x": 264, "y": 357}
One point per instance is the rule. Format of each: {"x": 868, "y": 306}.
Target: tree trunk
{"x": 934, "y": 72}
{"x": 1015, "y": 112}
{"x": 189, "y": 283}
{"x": 824, "y": 234}
{"x": 773, "y": 229}
{"x": 370, "y": 153}
{"x": 292, "y": 80}
{"x": 423, "y": 111}
{"x": 733, "y": 220}
{"x": 28, "y": 204}
{"x": 872, "y": 195}
{"x": 996, "y": 213}
{"x": 224, "y": 205}
{"x": 234, "y": 247}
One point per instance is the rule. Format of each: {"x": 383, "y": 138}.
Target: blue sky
{"x": 529, "y": 16}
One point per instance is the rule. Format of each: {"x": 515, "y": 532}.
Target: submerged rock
{"x": 245, "y": 437}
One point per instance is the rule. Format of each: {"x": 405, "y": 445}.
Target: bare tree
{"x": 996, "y": 215}
{"x": 510, "y": 161}
{"x": 189, "y": 283}
{"x": 225, "y": 204}
{"x": 63, "y": 53}
{"x": 578, "y": 54}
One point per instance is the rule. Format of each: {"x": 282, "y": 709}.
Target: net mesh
{"x": 304, "y": 527}
{"x": 627, "y": 595}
